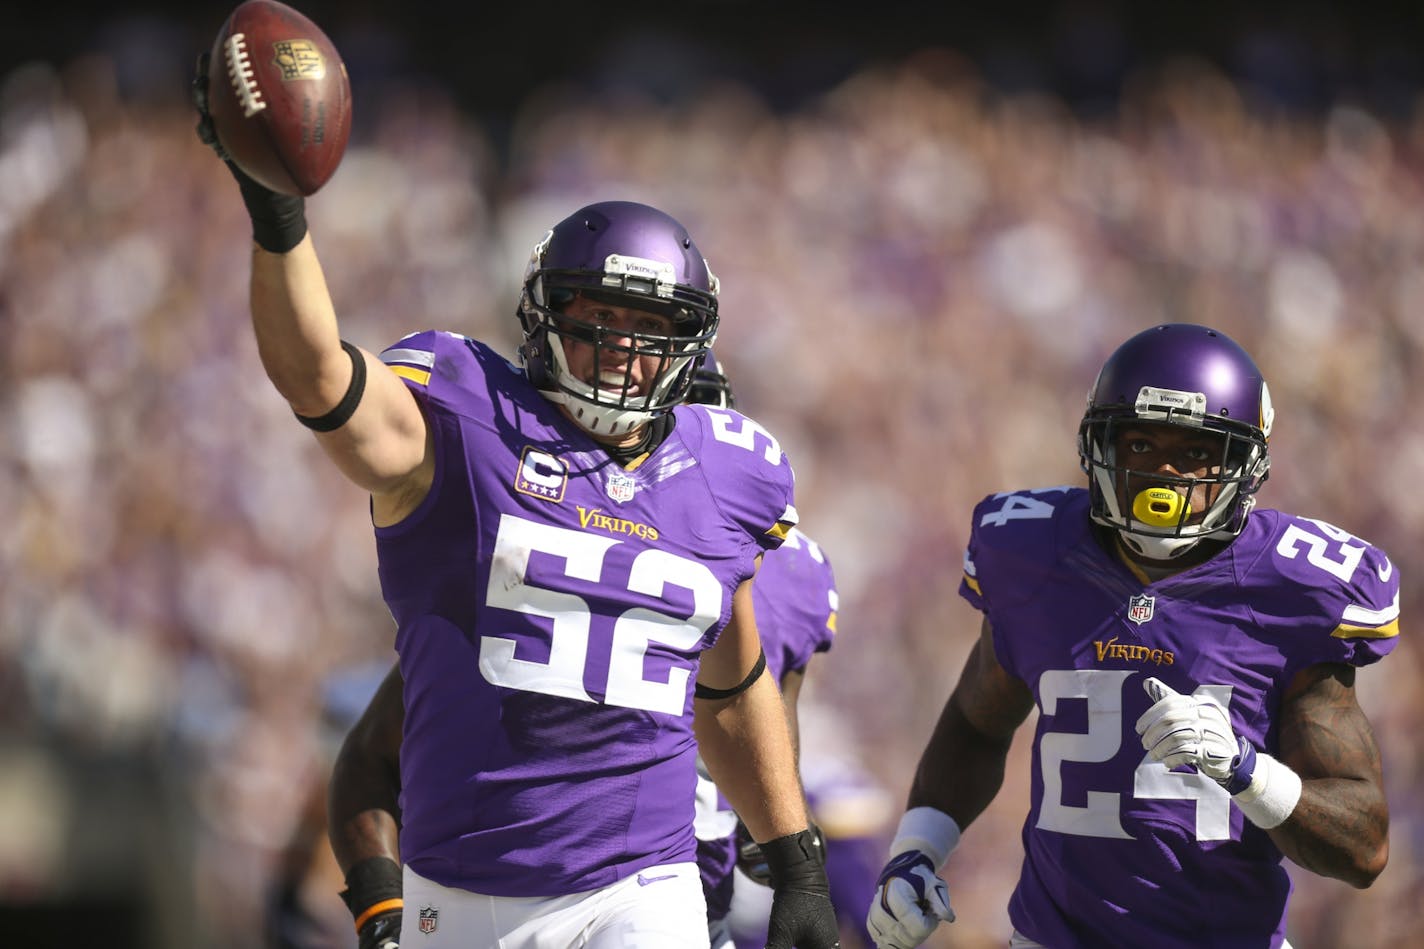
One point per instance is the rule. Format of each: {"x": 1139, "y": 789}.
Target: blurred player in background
{"x": 1193, "y": 662}
{"x": 568, "y": 553}
{"x": 796, "y": 604}
{"x": 797, "y": 608}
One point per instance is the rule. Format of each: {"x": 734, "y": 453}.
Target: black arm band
{"x": 340, "y": 415}
{"x": 703, "y": 692}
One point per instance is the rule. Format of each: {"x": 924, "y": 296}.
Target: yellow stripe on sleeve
{"x": 1387, "y": 631}
{"x": 418, "y": 376}
{"x": 779, "y": 530}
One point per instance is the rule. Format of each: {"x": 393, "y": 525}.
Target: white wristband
{"x": 928, "y": 830}
{"x": 1272, "y": 794}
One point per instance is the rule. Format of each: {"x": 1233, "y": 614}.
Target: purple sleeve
{"x": 750, "y": 475}
{"x": 796, "y": 602}
{"x": 1338, "y": 594}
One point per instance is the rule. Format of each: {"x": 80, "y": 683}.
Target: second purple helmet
{"x": 710, "y": 385}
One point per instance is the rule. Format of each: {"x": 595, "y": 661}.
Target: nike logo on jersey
{"x": 1385, "y": 571}
{"x": 644, "y": 881}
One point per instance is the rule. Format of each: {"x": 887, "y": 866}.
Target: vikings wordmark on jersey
{"x": 551, "y": 607}
{"x": 1075, "y": 624}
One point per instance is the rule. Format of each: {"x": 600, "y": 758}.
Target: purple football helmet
{"x": 1183, "y": 375}
{"x": 710, "y": 385}
{"x": 629, "y": 255}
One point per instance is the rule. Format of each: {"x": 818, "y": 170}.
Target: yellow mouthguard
{"x": 1161, "y": 507}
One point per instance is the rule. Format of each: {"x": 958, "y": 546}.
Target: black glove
{"x": 279, "y": 221}
{"x": 801, "y": 912}
{"x": 198, "y": 89}
{"x": 752, "y": 862}
{"x": 372, "y": 884}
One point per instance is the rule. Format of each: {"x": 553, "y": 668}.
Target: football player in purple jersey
{"x": 1193, "y": 664}
{"x": 796, "y": 603}
{"x": 796, "y": 606}
{"x": 568, "y": 554}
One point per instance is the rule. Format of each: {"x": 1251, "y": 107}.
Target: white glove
{"x": 1189, "y": 729}
{"x": 910, "y": 900}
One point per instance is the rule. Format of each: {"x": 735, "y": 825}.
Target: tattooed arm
{"x": 1340, "y": 827}
{"x": 962, "y": 768}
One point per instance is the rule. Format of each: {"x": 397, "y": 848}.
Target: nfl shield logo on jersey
{"x": 429, "y": 918}
{"x": 1139, "y": 608}
{"x": 621, "y": 487}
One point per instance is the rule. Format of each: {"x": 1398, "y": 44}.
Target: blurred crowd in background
{"x": 921, "y": 274}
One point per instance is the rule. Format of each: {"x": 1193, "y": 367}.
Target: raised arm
{"x": 366, "y": 419}
{"x": 382, "y": 446}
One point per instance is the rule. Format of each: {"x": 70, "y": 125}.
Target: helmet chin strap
{"x": 1158, "y": 548}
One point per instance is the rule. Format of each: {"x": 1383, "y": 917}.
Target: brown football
{"x": 279, "y": 97}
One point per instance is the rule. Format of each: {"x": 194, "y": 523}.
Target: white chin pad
{"x": 1158, "y": 548}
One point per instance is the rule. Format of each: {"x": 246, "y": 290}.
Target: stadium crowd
{"x": 920, "y": 277}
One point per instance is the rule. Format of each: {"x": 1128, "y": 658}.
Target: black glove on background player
{"x": 752, "y": 862}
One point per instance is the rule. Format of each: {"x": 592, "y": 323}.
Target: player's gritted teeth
{"x": 615, "y": 381}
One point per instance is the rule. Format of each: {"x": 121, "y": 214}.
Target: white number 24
{"x": 1099, "y": 816}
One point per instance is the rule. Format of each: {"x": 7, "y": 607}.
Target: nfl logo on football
{"x": 1139, "y": 608}
{"x": 621, "y": 487}
{"x": 429, "y": 918}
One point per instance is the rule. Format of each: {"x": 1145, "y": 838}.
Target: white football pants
{"x": 659, "y": 908}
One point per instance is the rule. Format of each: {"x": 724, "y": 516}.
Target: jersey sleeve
{"x": 413, "y": 359}
{"x": 750, "y": 476}
{"x": 821, "y": 584}
{"x": 969, "y": 586}
{"x": 1009, "y": 534}
{"x": 1368, "y": 627}
{"x": 796, "y": 604}
{"x": 1347, "y": 588}
{"x": 1013, "y": 544}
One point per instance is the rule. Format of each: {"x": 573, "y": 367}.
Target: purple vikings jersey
{"x": 796, "y": 603}
{"x": 551, "y": 607}
{"x": 1118, "y": 851}
{"x": 795, "y": 600}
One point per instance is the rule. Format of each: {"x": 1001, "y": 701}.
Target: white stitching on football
{"x": 239, "y": 68}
